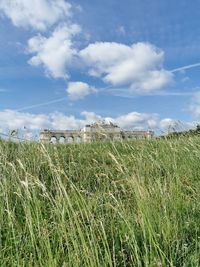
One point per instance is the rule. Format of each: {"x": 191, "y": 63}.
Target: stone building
{"x": 98, "y": 131}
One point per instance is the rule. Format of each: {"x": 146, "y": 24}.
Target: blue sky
{"x": 64, "y": 64}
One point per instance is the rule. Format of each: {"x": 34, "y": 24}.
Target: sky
{"x": 64, "y": 64}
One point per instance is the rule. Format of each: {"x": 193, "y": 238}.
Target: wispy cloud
{"x": 122, "y": 92}
{"x": 3, "y": 90}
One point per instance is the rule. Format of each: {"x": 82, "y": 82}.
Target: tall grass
{"x": 101, "y": 204}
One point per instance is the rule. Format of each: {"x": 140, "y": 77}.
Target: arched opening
{"x": 62, "y": 140}
{"x": 53, "y": 140}
{"x": 70, "y": 139}
{"x": 78, "y": 139}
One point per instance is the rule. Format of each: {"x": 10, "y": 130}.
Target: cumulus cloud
{"x": 11, "y": 119}
{"x": 170, "y": 125}
{"x": 138, "y": 121}
{"x": 139, "y": 66}
{"x": 56, "y": 52}
{"x": 15, "y": 120}
{"x": 91, "y": 117}
{"x": 79, "y": 90}
{"x": 36, "y": 14}
{"x": 59, "y": 120}
{"x": 132, "y": 120}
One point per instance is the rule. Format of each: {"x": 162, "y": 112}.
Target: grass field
{"x": 102, "y": 204}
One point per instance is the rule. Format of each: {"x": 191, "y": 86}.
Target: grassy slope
{"x": 103, "y": 204}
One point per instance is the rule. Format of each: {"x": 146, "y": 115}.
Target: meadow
{"x": 117, "y": 204}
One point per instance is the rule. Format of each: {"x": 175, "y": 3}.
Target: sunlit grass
{"x": 102, "y": 204}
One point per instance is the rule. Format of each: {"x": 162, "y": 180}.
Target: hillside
{"x": 102, "y": 204}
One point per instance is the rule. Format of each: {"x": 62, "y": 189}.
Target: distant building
{"x": 98, "y": 131}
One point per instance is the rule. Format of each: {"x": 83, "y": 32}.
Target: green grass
{"x": 101, "y": 204}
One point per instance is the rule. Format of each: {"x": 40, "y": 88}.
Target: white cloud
{"x": 138, "y": 121}
{"x": 79, "y": 90}
{"x": 171, "y": 125}
{"x": 55, "y": 53}
{"x": 14, "y": 120}
{"x": 91, "y": 117}
{"x": 36, "y": 14}
{"x": 58, "y": 121}
{"x": 132, "y": 120}
{"x": 139, "y": 66}
{"x": 11, "y": 119}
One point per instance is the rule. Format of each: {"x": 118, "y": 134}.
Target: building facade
{"x": 99, "y": 131}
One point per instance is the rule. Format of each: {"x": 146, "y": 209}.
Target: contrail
{"x": 54, "y": 101}
{"x": 42, "y": 104}
{"x": 186, "y": 67}
{"x": 100, "y": 89}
